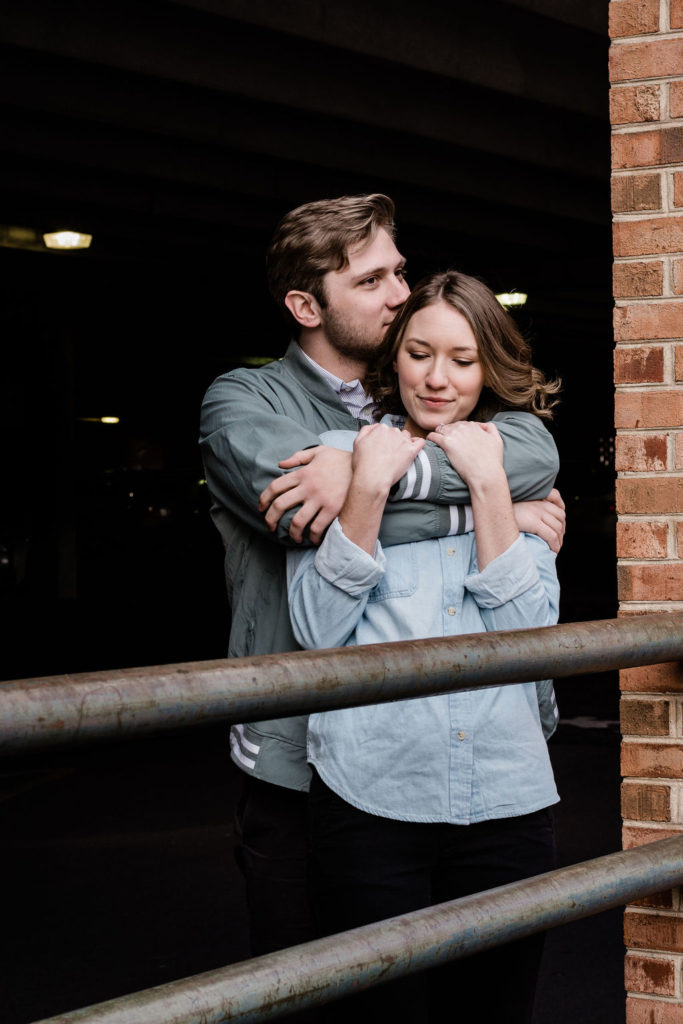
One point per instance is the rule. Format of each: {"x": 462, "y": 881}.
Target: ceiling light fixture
{"x": 513, "y": 298}
{"x": 67, "y": 240}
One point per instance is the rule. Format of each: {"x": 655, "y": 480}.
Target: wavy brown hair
{"x": 511, "y": 381}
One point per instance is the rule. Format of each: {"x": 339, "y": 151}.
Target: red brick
{"x": 679, "y": 462}
{"x": 663, "y": 582}
{"x": 633, "y": 17}
{"x": 640, "y": 453}
{"x": 642, "y": 149}
{"x": 636, "y": 61}
{"x": 629, "y": 104}
{"x": 676, "y": 99}
{"x": 634, "y": 409}
{"x": 652, "y": 761}
{"x": 653, "y": 931}
{"x": 679, "y": 530}
{"x": 639, "y": 364}
{"x": 678, "y": 188}
{"x": 676, "y": 14}
{"x": 664, "y": 678}
{"x": 635, "y": 835}
{"x": 645, "y": 802}
{"x": 639, "y": 278}
{"x": 658, "y": 900}
{"x": 641, "y": 540}
{"x": 679, "y": 362}
{"x": 648, "y": 237}
{"x": 676, "y": 275}
{"x": 653, "y": 1011}
{"x": 654, "y": 975}
{"x": 632, "y": 193}
{"x": 644, "y": 717}
{"x": 640, "y": 320}
{"x": 651, "y": 496}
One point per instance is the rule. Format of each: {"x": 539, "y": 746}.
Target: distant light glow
{"x": 512, "y": 298}
{"x": 67, "y": 240}
{"x": 256, "y": 360}
{"x": 109, "y": 419}
{"x": 99, "y": 419}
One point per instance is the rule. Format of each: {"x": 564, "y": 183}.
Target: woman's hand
{"x": 381, "y": 455}
{"x": 474, "y": 450}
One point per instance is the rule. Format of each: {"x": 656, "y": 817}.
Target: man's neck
{"x": 318, "y": 348}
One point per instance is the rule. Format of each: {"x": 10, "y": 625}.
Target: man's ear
{"x": 304, "y": 308}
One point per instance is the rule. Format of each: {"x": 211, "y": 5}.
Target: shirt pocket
{"x": 401, "y": 576}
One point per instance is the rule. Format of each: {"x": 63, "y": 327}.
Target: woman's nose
{"x": 436, "y": 377}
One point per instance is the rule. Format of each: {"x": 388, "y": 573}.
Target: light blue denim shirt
{"x": 460, "y": 757}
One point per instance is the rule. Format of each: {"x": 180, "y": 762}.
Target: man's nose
{"x": 399, "y": 293}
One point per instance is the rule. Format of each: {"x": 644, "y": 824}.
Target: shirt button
{"x": 461, "y": 735}
{"x": 451, "y": 551}
{"x": 451, "y": 610}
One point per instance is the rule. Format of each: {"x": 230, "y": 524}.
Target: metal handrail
{"x": 124, "y": 702}
{"x": 319, "y": 972}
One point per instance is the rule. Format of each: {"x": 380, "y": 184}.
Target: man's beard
{"x": 348, "y": 339}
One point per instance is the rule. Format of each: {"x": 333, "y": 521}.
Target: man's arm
{"x": 530, "y": 460}
{"x": 243, "y": 437}
{"x": 419, "y": 508}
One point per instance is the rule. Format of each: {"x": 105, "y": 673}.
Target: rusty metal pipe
{"x": 327, "y": 969}
{"x": 120, "y": 703}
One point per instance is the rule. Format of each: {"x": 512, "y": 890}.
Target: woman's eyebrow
{"x": 454, "y": 348}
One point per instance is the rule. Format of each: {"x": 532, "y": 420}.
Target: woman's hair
{"x": 510, "y": 379}
{"x": 317, "y": 237}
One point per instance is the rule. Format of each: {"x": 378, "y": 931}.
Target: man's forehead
{"x": 379, "y": 252}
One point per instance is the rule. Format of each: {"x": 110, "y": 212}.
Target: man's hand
{"x": 547, "y": 519}
{"x": 318, "y": 482}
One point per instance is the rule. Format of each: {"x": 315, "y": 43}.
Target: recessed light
{"x": 512, "y": 298}
{"x": 67, "y": 240}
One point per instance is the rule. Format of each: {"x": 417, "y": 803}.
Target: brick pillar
{"x": 646, "y": 103}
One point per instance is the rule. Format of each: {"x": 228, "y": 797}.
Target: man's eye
{"x": 370, "y": 280}
{"x": 401, "y": 272}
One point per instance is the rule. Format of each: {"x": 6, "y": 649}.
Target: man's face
{"x": 364, "y": 298}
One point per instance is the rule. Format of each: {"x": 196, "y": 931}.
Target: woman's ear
{"x": 304, "y": 308}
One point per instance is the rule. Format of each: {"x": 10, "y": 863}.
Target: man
{"x": 334, "y": 269}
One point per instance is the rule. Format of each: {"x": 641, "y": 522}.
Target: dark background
{"x": 178, "y": 133}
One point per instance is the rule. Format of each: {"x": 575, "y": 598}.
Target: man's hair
{"x": 511, "y": 381}
{"x": 317, "y": 237}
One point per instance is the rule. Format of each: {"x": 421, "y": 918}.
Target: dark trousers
{"x": 365, "y": 868}
{"x": 271, "y": 837}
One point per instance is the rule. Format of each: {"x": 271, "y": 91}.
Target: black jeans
{"x": 365, "y": 868}
{"x": 271, "y": 849}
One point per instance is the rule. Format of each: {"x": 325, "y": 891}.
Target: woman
{"x": 421, "y": 801}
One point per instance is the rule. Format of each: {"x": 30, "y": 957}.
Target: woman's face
{"x": 439, "y": 374}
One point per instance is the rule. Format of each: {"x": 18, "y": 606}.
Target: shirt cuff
{"x": 342, "y": 563}
{"x": 505, "y": 578}
{"x": 419, "y": 483}
{"x": 462, "y": 519}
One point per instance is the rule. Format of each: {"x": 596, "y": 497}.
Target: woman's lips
{"x": 435, "y": 403}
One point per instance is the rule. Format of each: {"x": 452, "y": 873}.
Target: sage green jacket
{"x": 251, "y": 419}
